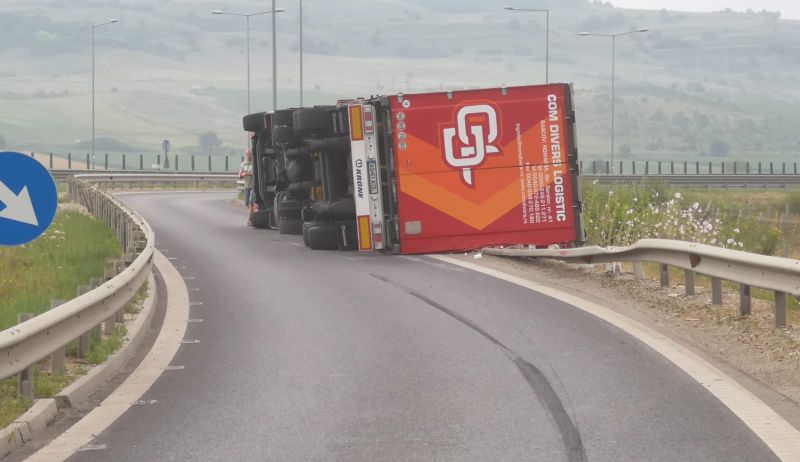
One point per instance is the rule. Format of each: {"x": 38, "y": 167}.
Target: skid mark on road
{"x": 541, "y": 387}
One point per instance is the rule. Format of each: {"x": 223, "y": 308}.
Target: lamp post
{"x": 247, "y": 23}
{"x": 547, "y": 37}
{"x": 301, "y": 53}
{"x": 95, "y": 26}
{"x": 274, "y": 61}
{"x": 613, "y": 75}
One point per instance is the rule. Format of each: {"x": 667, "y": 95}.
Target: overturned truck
{"x": 421, "y": 173}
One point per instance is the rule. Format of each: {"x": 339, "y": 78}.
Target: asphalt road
{"x": 330, "y": 356}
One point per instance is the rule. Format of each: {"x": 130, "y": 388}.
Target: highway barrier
{"x": 782, "y": 275}
{"x": 47, "y": 334}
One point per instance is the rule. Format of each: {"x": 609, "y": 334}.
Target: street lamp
{"x": 301, "y": 53}
{"x": 95, "y": 26}
{"x": 613, "y": 57}
{"x": 547, "y": 37}
{"x": 247, "y": 22}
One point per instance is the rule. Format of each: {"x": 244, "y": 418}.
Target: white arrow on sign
{"x": 18, "y": 206}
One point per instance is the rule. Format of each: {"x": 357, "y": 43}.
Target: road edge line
{"x": 139, "y": 381}
{"x": 775, "y": 431}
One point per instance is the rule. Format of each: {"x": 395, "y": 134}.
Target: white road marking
{"x": 131, "y": 390}
{"x": 778, "y": 434}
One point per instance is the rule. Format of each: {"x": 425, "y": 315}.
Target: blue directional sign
{"x": 28, "y": 198}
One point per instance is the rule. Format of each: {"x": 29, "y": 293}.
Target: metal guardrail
{"x": 156, "y": 177}
{"x": 31, "y": 341}
{"x": 705, "y": 181}
{"x": 781, "y": 275}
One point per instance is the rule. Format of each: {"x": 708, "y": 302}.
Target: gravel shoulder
{"x": 764, "y": 359}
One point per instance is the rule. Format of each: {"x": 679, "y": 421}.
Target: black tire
{"x": 329, "y": 144}
{"x": 321, "y": 236}
{"x": 282, "y": 135}
{"x": 260, "y": 219}
{"x": 344, "y": 209}
{"x": 347, "y": 234}
{"x": 312, "y": 120}
{"x": 255, "y": 122}
{"x": 289, "y": 207}
{"x": 290, "y": 225}
{"x": 282, "y": 117}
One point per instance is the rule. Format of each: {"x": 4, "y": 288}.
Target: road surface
{"x": 328, "y": 356}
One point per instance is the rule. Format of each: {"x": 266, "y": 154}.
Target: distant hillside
{"x": 716, "y": 84}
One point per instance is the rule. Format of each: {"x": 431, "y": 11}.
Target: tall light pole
{"x": 247, "y": 23}
{"x": 274, "y": 61}
{"x": 613, "y": 77}
{"x": 301, "y": 53}
{"x": 546, "y": 40}
{"x": 95, "y": 26}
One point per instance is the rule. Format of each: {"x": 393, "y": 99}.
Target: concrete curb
{"x": 77, "y": 393}
{"x": 44, "y": 411}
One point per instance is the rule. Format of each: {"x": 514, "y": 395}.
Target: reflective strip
{"x": 364, "y": 233}
{"x": 356, "y": 125}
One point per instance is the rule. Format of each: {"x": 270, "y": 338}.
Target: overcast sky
{"x": 789, "y": 8}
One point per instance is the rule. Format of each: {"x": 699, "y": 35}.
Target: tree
{"x": 208, "y": 141}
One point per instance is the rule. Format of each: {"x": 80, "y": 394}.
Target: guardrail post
{"x": 747, "y": 167}
{"x": 621, "y": 168}
{"x": 716, "y": 291}
{"x": 141, "y": 161}
{"x": 646, "y": 167}
{"x": 84, "y": 341}
{"x": 58, "y": 357}
{"x": 783, "y": 168}
{"x": 176, "y": 162}
{"x": 158, "y": 159}
{"x": 51, "y": 161}
{"x": 697, "y": 167}
{"x": 594, "y": 167}
{"x": 638, "y": 270}
{"x": 771, "y": 170}
{"x": 88, "y": 165}
{"x": 105, "y": 162}
{"x": 124, "y": 166}
{"x": 209, "y": 162}
{"x": 580, "y": 167}
{"x": 633, "y": 166}
{"x": 795, "y": 168}
{"x": 672, "y": 167}
{"x": 685, "y": 170}
{"x": 664, "y": 275}
{"x": 710, "y": 168}
{"x": 659, "y": 167}
{"x": 781, "y": 301}
{"x": 722, "y": 164}
{"x": 759, "y": 167}
{"x": 69, "y": 161}
{"x": 25, "y": 386}
{"x": 735, "y": 164}
{"x": 745, "y": 300}
{"x": 688, "y": 277}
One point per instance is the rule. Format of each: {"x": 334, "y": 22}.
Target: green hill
{"x": 170, "y": 69}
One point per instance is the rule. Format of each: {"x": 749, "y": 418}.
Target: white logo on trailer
{"x": 471, "y": 155}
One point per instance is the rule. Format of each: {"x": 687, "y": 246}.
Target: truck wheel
{"x": 255, "y": 122}
{"x": 260, "y": 219}
{"x": 289, "y": 207}
{"x": 290, "y": 226}
{"x": 282, "y": 117}
{"x": 282, "y": 135}
{"x": 321, "y": 236}
{"x": 347, "y": 235}
{"x": 311, "y": 120}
